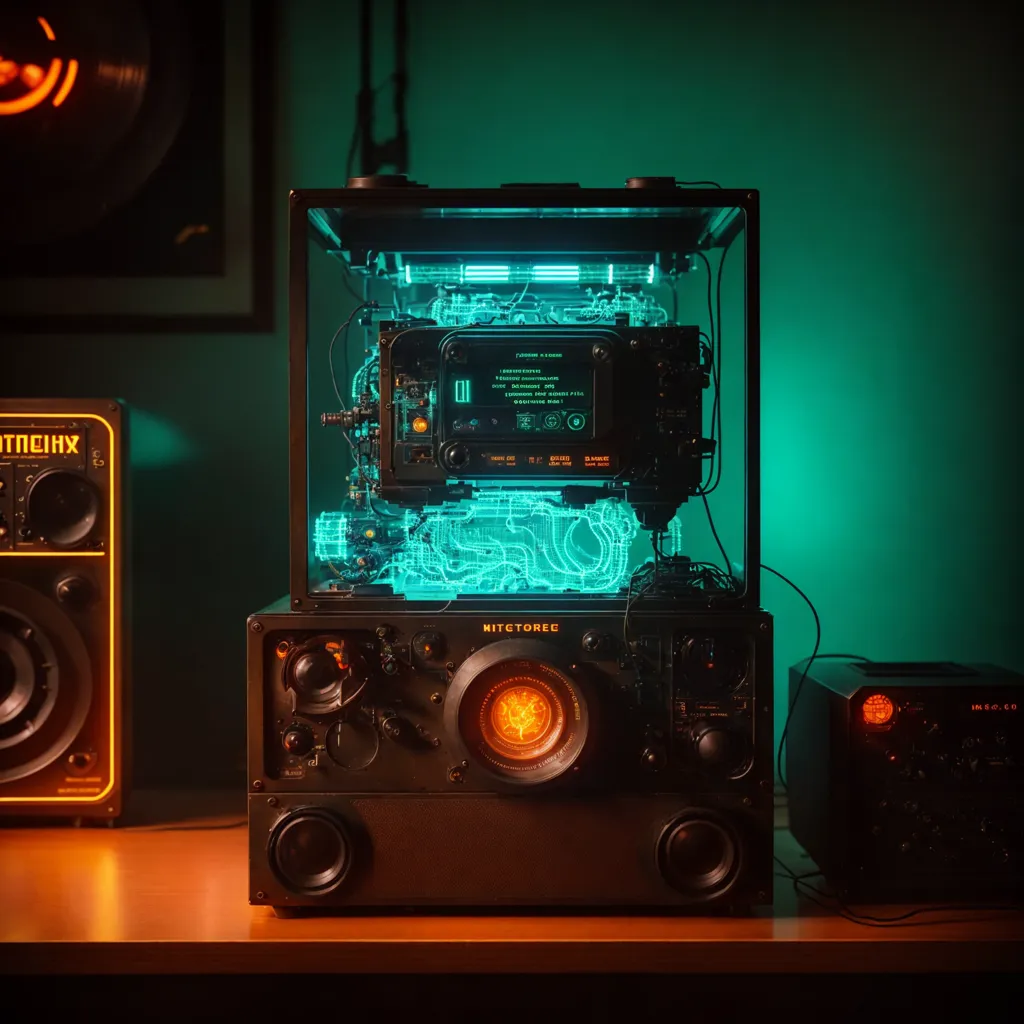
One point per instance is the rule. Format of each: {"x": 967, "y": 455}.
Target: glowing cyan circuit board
{"x": 502, "y": 542}
{"x": 604, "y": 305}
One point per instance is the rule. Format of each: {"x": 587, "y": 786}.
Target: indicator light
{"x": 877, "y": 709}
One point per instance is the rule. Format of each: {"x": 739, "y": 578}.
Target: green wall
{"x": 883, "y": 142}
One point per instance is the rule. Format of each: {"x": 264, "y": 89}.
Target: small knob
{"x": 76, "y": 591}
{"x": 593, "y": 641}
{"x": 653, "y": 758}
{"x": 298, "y": 740}
{"x": 718, "y": 748}
{"x": 456, "y": 456}
{"x": 391, "y": 726}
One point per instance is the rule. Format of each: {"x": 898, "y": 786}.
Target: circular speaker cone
{"x": 310, "y": 852}
{"x": 516, "y": 713}
{"x": 62, "y": 507}
{"x": 699, "y": 856}
{"x": 45, "y": 681}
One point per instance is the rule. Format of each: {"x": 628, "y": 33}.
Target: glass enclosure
{"x": 520, "y": 401}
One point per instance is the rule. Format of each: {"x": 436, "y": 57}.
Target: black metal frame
{"x": 413, "y": 197}
{"x": 260, "y": 316}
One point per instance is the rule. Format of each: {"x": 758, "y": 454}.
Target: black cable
{"x": 713, "y": 184}
{"x": 711, "y": 308}
{"x": 803, "y": 888}
{"x": 716, "y": 405}
{"x": 714, "y": 443}
{"x": 716, "y": 411}
{"x": 714, "y": 533}
{"x": 330, "y": 348}
{"x": 800, "y": 684}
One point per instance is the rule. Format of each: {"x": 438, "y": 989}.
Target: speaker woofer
{"x": 63, "y": 507}
{"x": 700, "y": 856}
{"x": 310, "y": 851}
{"x": 45, "y": 682}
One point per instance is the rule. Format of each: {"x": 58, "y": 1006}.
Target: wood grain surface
{"x": 167, "y": 894}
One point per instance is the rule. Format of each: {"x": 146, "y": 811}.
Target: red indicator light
{"x": 877, "y": 709}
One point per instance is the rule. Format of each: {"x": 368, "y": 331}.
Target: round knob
{"x": 456, "y": 456}
{"x": 391, "y": 726}
{"x": 653, "y": 758}
{"x": 76, "y": 591}
{"x": 63, "y": 507}
{"x": 699, "y": 857}
{"x": 428, "y": 646}
{"x": 298, "y": 739}
{"x": 592, "y": 641}
{"x": 718, "y": 748}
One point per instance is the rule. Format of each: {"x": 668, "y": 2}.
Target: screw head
{"x": 436, "y": 698}
{"x": 261, "y": 895}
{"x": 272, "y": 801}
{"x": 764, "y": 627}
{"x": 257, "y": 627}
{"x": 297, "y": 602}
{"x": 257, "y": 785}
{"x": 747, "y": 801}
{"x": 762, "y": 895}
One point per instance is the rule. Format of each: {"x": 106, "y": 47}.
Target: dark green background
{"x": 883, "y": 141}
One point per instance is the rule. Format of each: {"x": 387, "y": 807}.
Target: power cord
{"x": 343, "y": 329}
{"x": 815, "y": 656}
{"x": 802, "y": 887}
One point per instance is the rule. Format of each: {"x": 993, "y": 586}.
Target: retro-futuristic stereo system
{"x": 409, "y": 759}
{"x": 515, "y": 669}
{"x": 62, "y": 678}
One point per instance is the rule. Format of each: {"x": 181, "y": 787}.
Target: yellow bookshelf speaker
{"x": 63, "y": 683}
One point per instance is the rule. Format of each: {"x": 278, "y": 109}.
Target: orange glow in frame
{"x": 39, "y": 83}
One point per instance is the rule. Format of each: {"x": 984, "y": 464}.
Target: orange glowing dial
{"x": 522, "y": 719}
{"x": 521, "y": 714}
{"x": 38, "y": 82}
{"x": 877, "y": 709}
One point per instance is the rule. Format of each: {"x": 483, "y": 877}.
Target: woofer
{"x": 45, "y": 682}
{"x": 310, "y": 851}
{"x": 699, "y": 855}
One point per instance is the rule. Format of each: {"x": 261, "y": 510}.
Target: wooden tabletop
{"x": 152, "y": 899}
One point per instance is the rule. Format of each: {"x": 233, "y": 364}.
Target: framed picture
{"x": 140, "y": 196}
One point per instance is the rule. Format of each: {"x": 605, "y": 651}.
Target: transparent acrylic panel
{"x": 527, "y": 402}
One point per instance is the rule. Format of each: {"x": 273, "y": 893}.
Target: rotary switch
{"x": 298, "y": 739}
{"x": 719, "y": 749}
